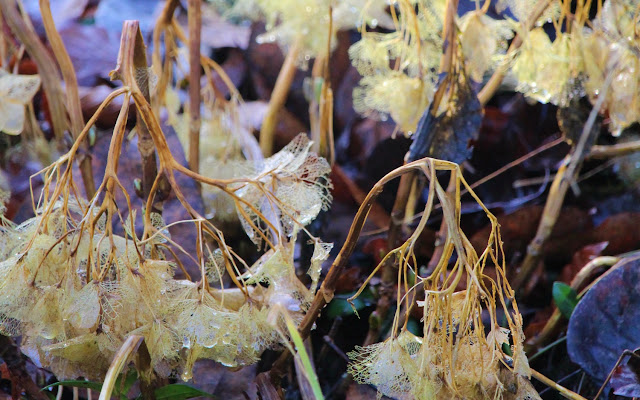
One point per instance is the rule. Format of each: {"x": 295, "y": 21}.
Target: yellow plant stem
{"x": 195, "y": 24}
{"x": 128, "y": 348}
{"x": 278, "y": 97}
{"x": 564, "y": 392}
{"x": 73, "y": 98}
{"x": 132, "y": 70}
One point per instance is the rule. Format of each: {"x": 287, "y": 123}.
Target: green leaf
{"x": 340, "y": 307}
{"x": 77, "y": 383}
{"x": 565, "y": 298}
{"x": 179, "y": 391}
{"x": 507, "y": 349}
{"x": 301, "y": 352}
{"x": 414, "y": 327}
{"x": 129, "y": 380}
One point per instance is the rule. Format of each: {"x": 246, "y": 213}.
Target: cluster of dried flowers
{"x": 455, "y": 358}
{"x": 400, "y": 68}
{"x": 74, "y": 290}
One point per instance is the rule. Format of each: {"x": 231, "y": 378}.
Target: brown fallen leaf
{"x": 570, "y": 233}
{"x": 580, "y": 259}
{"x": 621, "y": 231}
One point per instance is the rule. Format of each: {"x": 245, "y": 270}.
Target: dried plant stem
{"x": 278, "y": 97}
{"x": 449, "y": 35}
{"x": 46, "y": 66}
{"x": 195, "y": 24}
{"x": 602, "y": 152}
{"x": 563, "y": 180}
{"x": 518, "y": 161}
{"x": 129, "y": 347}
{"x": 317, "y": 72}
{"x": 73, "y": 99}
{"x": 132, "y": 70}
{"x": 494, "y": 82}
{"x": 163, "y": 69}
{"x": 626, "y": 353}
{"x": 552, "y": 384}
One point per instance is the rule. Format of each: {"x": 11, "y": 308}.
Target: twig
{"x": 278, "y": 97}
{"x": 601, "y": 152}
{"x": 73, "y": 99}
{"x": 496, "y": 79}
{"x": 513, "y": 163}
{"x": 563, "y": 180}
{"x": 552, "y": 384}
{"x": 195, "y": 23}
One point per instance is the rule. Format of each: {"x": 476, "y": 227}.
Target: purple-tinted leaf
{"x": 606, "y": 321}
{"x": 625, "y": 381}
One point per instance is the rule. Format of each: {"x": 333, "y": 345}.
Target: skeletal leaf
{"x": 483, "y": 39}
{"x": 84, "y": 310}
{"x": 15, "y": 92}
{"x": 298, "y": 181}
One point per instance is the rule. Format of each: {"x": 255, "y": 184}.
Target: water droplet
{"x": 186, "y": 376}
